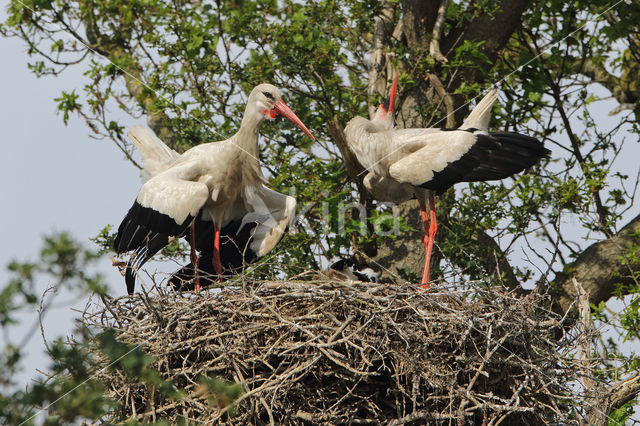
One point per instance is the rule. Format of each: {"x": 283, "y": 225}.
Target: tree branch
{"x": 623, "y": 392}
{"x": 599, "y": 74}
{"x": 434, "y": 45}
{"x": 378, "y": 61}
{"x": 494, "y": 31}
{"x": 575, "y": 143}
{"x": 600, "y": 268}
{"x": 623, "y": 88}
{"x": 495, "y": 260}
{"x": 592, "y": 388}
{"x": 354, "y": 169}
{"x": 446, "y": 98}
{"x": 117, "y": 53}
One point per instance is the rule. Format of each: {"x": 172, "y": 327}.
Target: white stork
{"x": 210, "y": 187}
{"x": 403, "y": 163}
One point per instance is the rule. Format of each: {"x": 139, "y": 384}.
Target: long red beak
{"x": 394, "y": 90}
{"x": 282, "y": 109}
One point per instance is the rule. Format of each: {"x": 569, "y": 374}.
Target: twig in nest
{"x": 356, "y": 353}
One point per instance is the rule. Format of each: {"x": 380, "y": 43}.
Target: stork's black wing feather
{"x": 154, "y": 244}
{"x": 140, "y": 222}
{"x": 145, "y": 231}
{"x": 492, "y": 157}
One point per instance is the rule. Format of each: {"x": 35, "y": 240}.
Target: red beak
{"x": 392, "y": 95}
{"x": 282, "y": 109}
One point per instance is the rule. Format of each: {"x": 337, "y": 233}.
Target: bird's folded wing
{"x": 273, "y": 212}
{"x": 156, "y": 155}
{"x": 172, "y": 197}
{"x": 166, "y": 204}
{"x": 438, "y": 150}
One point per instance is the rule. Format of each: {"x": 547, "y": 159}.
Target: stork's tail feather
{"x": 156, "y": 155}
{"x": 149, "y": 144}
{"x": 479, "y": 117}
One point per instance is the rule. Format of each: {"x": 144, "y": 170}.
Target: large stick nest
{"x": 323, "y": 352}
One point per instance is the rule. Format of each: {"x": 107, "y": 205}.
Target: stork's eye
{"x": 268, "y": 95}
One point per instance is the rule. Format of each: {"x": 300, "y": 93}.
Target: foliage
{"x": 70, "y": 392}
{"x": 220, "y": 393}
{"x": 187, "y": 66}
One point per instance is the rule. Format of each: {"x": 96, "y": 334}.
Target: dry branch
{"x": 324, "y": 352}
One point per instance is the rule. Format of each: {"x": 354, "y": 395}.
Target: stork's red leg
{"x": 217, "y": 264}
{"x": 194, "y": 256}
{"x": 427, "y": 258}
{"x": 429, "y": 237}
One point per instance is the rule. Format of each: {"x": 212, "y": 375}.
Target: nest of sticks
{"x": 336, "y": 353}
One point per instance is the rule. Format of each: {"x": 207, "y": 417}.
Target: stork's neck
{"x": 247, "y": 136}
{"x": 246, "y": 143}
{"x": 359, "y": 129}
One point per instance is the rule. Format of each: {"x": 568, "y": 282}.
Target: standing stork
{"x": 218, "y": 182}
{"x": 403, "y": 163}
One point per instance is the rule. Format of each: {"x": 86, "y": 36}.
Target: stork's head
{"x": 384, "y": 116}
{"x": 267, "y": 101}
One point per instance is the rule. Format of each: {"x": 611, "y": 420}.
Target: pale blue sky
{"x": 54, "y": 178}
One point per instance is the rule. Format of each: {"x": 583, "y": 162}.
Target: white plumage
{"x": 421, "y": 163}
{"x": 156, "y": 155}
{"x": 219, "y": 182}
{"x": 408, "y": 158}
